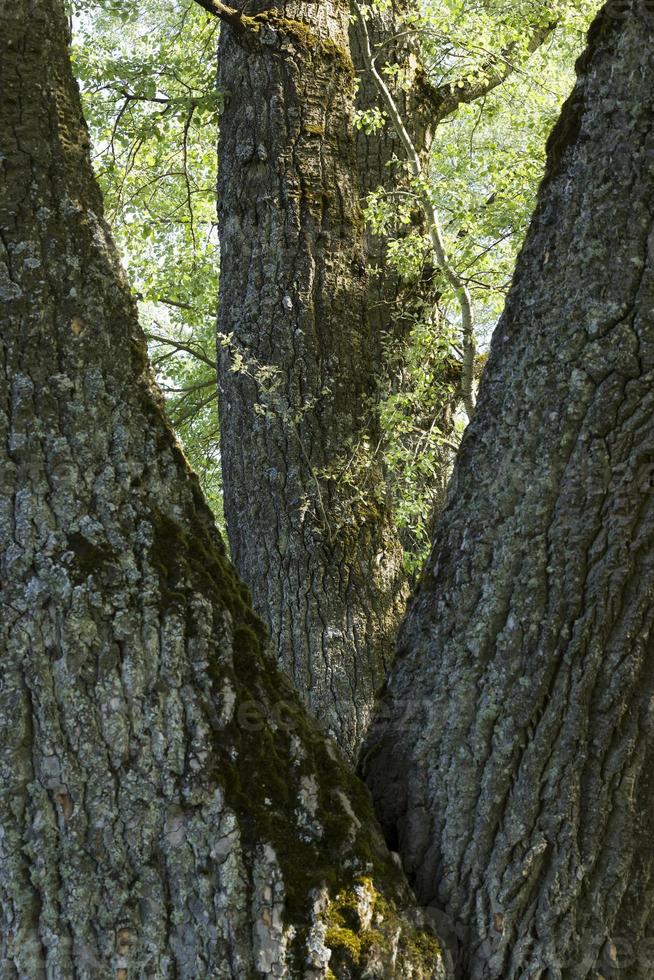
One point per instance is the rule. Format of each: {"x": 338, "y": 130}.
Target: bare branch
{"x": 180, "y": 346}
{"x": 178, "y": 420}
{"x": 187, "y": 179}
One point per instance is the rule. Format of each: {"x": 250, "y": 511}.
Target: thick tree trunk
{"x": 313, "y": 324}
{"x": 308, "y": 520}
{"x": 166, "y": 809}
{"x": 512, "y": 759}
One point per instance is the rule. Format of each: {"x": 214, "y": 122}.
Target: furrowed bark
{"x": 166, "y": 807}
{"x": 511, "y": 762}
{"x": 308, "y": 519}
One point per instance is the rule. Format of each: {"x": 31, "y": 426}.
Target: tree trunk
{"x": 166, "y": 808}
{"x": 512, "y": 758}
{"x": 381, "y": 159}
{"x": 309, "y": 523}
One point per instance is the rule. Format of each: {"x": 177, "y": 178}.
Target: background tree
{"x": 309, "y": 523}
{"x": 512, "y": 759}
{"x": 166, "y": 807}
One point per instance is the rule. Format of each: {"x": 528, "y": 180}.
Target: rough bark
{"x": 166, "y": 808}
{"x": 512, "y": 758}
{"x": 309, "y": 524}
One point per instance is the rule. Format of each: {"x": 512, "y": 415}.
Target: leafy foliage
{"x": 485, "y": 168}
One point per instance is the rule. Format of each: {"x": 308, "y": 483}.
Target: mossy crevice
{"x": 255, "y": 761}
{"x": 363, "y": 928}
{"x": 300, "y": 34}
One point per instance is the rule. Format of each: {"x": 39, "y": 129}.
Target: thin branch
{"x": 133, "y": 97}
{"x": 187, "y": 348}
{"x": 452, "y": 446}
{"x": 166, "y": 301}
{"x": 187, "y": 390}
{"x": 190, "y": 413}
{"x": 187, "y": 180}
{"x": 433, "y": 223}
{"x": 488, "y": 248}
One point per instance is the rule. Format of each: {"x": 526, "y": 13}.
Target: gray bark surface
{"x": 166, "y": 807}
{"x": 511, "y": 760}
{"x": 308, "y": 519}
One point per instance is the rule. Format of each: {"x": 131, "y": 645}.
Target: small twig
{"x": 187, "y": 180}
{"x": 178, "y": 420}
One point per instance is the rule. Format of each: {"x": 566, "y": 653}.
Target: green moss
{"x": 344, "y": 910}
{"x": 191, "y": 556}
{"x": 355, "y": 944}
{"x": 252, "y": 758}
{"x": 345, "y": 946}
{"x": 334, "y": 50}
{"x": 245, "y": 640}
{"x": 139, "y": 351}
{"x": 421, "y": 947}
{"x": 297, "y": 30}
{"x": 303, "y": 36}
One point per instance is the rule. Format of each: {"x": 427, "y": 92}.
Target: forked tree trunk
{"x": 309, "y": 522}
{"x": 166, "y": 808}
{"x": 512, "y": 759}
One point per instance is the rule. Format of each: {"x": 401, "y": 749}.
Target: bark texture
{"x": 166, "y": 808}
{"x": 512, "y": 758}
{"x": 309, "y": 524}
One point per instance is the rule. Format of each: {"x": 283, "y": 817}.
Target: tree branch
{"x": 229, "y": 15}
{"x": 446, "y": 99}
{"x": 180, "y": 346}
